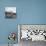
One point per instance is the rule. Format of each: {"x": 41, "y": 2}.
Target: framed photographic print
{"x": 10, "y": 12}
{"x": 28, "y": 34}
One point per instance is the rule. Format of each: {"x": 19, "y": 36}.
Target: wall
{"x": 28, "y": 12}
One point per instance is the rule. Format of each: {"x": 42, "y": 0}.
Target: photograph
{"x": 10, "y": 12}
{"x": 31, "y": 33}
